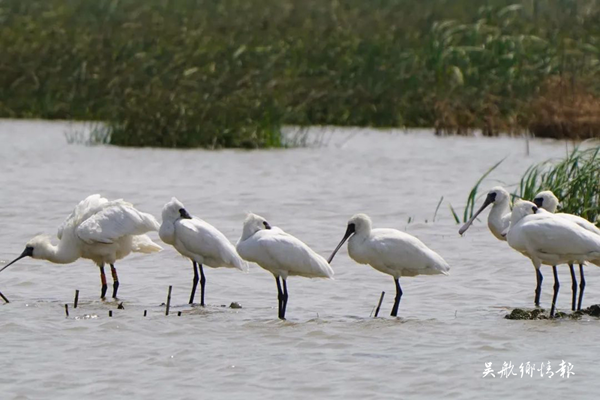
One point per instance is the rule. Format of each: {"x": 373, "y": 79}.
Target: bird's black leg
{"x": 538, "y": 288}
{"x": 285, "y": 297}
{"x": 194, "y": 282}
{"x": 398, "y": 297}
{"x": 115, "y": 277}
{"x": 202, "y": 284}
{"x": 573, "y": 288}
{"x": 103, "y": 281}
{"x": 279, "y": 298}
{"x": 556, "y": 287}
{"x": 581, "y": 286}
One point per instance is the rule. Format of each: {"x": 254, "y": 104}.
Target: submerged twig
{"x": 379, "y": 305}
{"x": 168, "y": 300}
{"x": 4, "y": 298}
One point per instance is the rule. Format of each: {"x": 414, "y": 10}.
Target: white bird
{"x": 499, "y": 216}
{"x": 281, "y": 254}
{"x": 550, "y": 240}
{"x": 548, "y": 201}
{"x": 499, "y": 222}
{"x": 390, "y": 251}
{"x": 100, "y": 230}
{"x": 199, "y": 241}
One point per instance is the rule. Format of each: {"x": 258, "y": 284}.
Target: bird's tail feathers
{"x": 239, "y": 263}
{"x": 143, "y": 244}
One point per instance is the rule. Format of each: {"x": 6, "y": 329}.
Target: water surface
{"x": 329, "y": 347}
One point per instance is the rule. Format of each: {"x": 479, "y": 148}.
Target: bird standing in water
{"x": 100, "y": 230}
{"x": 281, "y": 254}
{"x": 390, "y": 251}
{"x": 199, "y": 241}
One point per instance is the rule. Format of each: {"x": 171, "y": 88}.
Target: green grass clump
{"x": 575, "y": 180}
{"x": 210, "y": 73}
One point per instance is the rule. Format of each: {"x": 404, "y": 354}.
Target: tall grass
{"x": 575, "y": 180}
{"x": 230, "y": 73}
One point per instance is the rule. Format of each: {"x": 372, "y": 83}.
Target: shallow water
{"x": 329, "y": 347}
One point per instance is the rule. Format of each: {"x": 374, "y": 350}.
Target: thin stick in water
{"x": 379, "y": 305}
{"x": 437, "y": 208}
{"x": 168, "y": 300}
{"x": 67, "y": 309}
{"x": 145, "y": 312}
{"x": 76, "y": 301}
{"x": 179, "y": 313}
{"x": 4, "y": 298}
{"x": 110, "y": 313}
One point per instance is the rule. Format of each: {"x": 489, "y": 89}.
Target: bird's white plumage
{"x": 83, "y": 210}
{"x": 114, "y": 220}
{"x": 549, "y": 239}
{"x": 392, "y": 252}
{"x": 499, "y": 216}
{"x": 278, "y": 252}
{"x": 548, "y": 201}
{"x": 100, "y": 230}
{"x": 197, "y": 239}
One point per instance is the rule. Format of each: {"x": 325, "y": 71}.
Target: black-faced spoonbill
{"x": 390, "y": 251}
{"x": 281, "y": 254}
{"x": 199, "y": 241}
{"x": 100, "y": 230}
{"x": 549, "y": 202}
{"x": 498, "y": 222}
{"x": 499, "y": 216}
{"x": 550, "y": 240}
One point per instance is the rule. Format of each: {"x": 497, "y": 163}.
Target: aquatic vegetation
{"x": 575, "y": 180}
{"x": 206, "y": 73}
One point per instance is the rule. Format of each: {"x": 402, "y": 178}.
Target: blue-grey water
{"x": 449, "y": 326}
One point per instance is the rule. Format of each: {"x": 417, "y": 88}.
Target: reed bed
{"x": 208, "y": 73}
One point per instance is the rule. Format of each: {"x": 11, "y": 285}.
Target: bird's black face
{"x": 184, "y": 214}
{"x": 489, "y": 199}
{"x": 267, "y": 225}
{"x": 539, "y": 201}
{"x": 349, "y": 231}
{"x": 28, "y": 252}
{"x": 535, "y": 209}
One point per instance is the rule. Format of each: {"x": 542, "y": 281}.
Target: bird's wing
{"x": 201, "y": 238}
{"x": 86, "y": 208}
{"x": 114, "y": 220}
{"x": 293, "y": 255}
{"x": 582, "y": 222}
{"x": 556, "y": 235}
{"x": 392, "y": 246}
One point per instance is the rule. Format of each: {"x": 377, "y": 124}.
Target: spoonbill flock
{"x": 534, "y": 230}
{"x": 106, "y": 231}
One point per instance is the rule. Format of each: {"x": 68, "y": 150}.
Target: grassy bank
{"x": 229, "y": 73}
